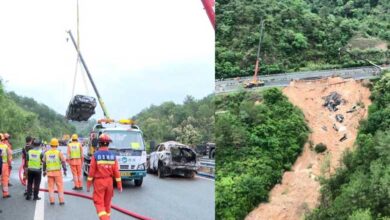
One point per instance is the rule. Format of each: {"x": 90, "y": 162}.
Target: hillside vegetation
{"x": 259, "y": 136}
{"x": 300, "y": 34}
{"x": 191, "y": 123}
{"x": 22, "y": 116}
{"x": 361, "y": 188}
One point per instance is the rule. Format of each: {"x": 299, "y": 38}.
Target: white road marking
{"x": 40, "y": 204}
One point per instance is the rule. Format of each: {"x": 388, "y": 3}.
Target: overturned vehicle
{"x": 172, "y": 158}
{"x": 81, "y": 108}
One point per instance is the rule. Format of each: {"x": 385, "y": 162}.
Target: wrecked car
{"x": 172, "y": 158}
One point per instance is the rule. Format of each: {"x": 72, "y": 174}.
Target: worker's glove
{"x": 44, "y": 173}
{"x": 120, "y": 189}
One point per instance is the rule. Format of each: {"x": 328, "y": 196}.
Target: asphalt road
{"x": 277, "y": 80}
{"x": 169, "y": 198}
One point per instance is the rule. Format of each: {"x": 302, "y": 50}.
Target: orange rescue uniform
{"x": 104, "y": 167}
{"x": 75, "y": 160}
{"x": 6, "y": 155}
{"x": 10, "y": 147}
{"x": 52, "y": 162}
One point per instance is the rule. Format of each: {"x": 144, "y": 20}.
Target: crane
{"x": 255, "y": 82}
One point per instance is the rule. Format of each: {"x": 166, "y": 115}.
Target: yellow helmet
{"x": 75, "y": 137}
{"x": 54, "y": 142}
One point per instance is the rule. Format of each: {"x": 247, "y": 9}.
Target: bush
{"x": 319, "y": 148}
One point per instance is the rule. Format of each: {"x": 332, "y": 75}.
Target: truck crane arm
{"x": 101, "y": 102}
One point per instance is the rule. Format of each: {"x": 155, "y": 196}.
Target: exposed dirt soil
{"x": 299, "y": 191}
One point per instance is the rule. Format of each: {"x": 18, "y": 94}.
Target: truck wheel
{"x": 160, "y": 172}
{"x": 138, "y": 182}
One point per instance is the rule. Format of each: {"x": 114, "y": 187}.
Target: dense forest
{"x": 259, "y": 136}
{"x": 300, "y": 35}
{"x": 22, "y": 116}
{"x": 190, "y": 123}
{"x": 363, "y": 182}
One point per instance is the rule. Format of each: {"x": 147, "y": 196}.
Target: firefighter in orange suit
{"x": 75, "y": 160}
{"x": 104, "y": 167}
{"x": 6, "y": 155}
{"x": 52, "y": 162}
{"x": 6, "y": 141}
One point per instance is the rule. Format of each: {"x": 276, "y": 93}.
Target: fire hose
{"x": 119, "y": 209}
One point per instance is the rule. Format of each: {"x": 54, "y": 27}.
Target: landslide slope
{"x": 299, "y": 190}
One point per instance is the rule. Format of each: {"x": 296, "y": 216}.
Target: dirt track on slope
{"x": 299, "y": 191}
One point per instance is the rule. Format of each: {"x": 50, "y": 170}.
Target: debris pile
{"x": 332, "y": 101}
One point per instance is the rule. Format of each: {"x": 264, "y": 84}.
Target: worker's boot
{"x": 62, "y": 203}
{"x": 28, "y": 197}
{"x": 37, "y": 198}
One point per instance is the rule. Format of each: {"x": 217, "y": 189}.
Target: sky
{"x": 138, "y": 52}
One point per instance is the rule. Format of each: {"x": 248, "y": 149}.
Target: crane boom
{"x": 258, "y": 51}
{"x": 208, "y": 6}
{"x": 102, "y": 105}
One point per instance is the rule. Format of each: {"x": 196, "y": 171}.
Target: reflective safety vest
{"x": 34, "y": 159}
{"x": 4, "y": 152}
{"x": 53, "y": 160}
{"x": 75, "y": 150}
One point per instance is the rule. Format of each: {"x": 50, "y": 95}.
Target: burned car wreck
{"x": 172, "y": 158}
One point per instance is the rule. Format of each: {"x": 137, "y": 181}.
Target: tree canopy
{"x": 300, "y": 34}
{"x": 23, "y": 116}
{"x": 191, "y": 123}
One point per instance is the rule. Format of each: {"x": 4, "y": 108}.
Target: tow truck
{"x": 127, "y": 144}
{"x": 127, "y": 140}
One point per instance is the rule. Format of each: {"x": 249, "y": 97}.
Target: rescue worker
{"x": 104, "y": 167}
{"x": 6, "y": 141}
{"x": 52, "y": 161}
{"x": 6, "y": 155}
{"x": 26, "y": 148}
{"x": 75, "y": 160}
{"x": 34, "y": 169}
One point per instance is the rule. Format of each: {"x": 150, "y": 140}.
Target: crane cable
{"x": 78, "y": 64}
